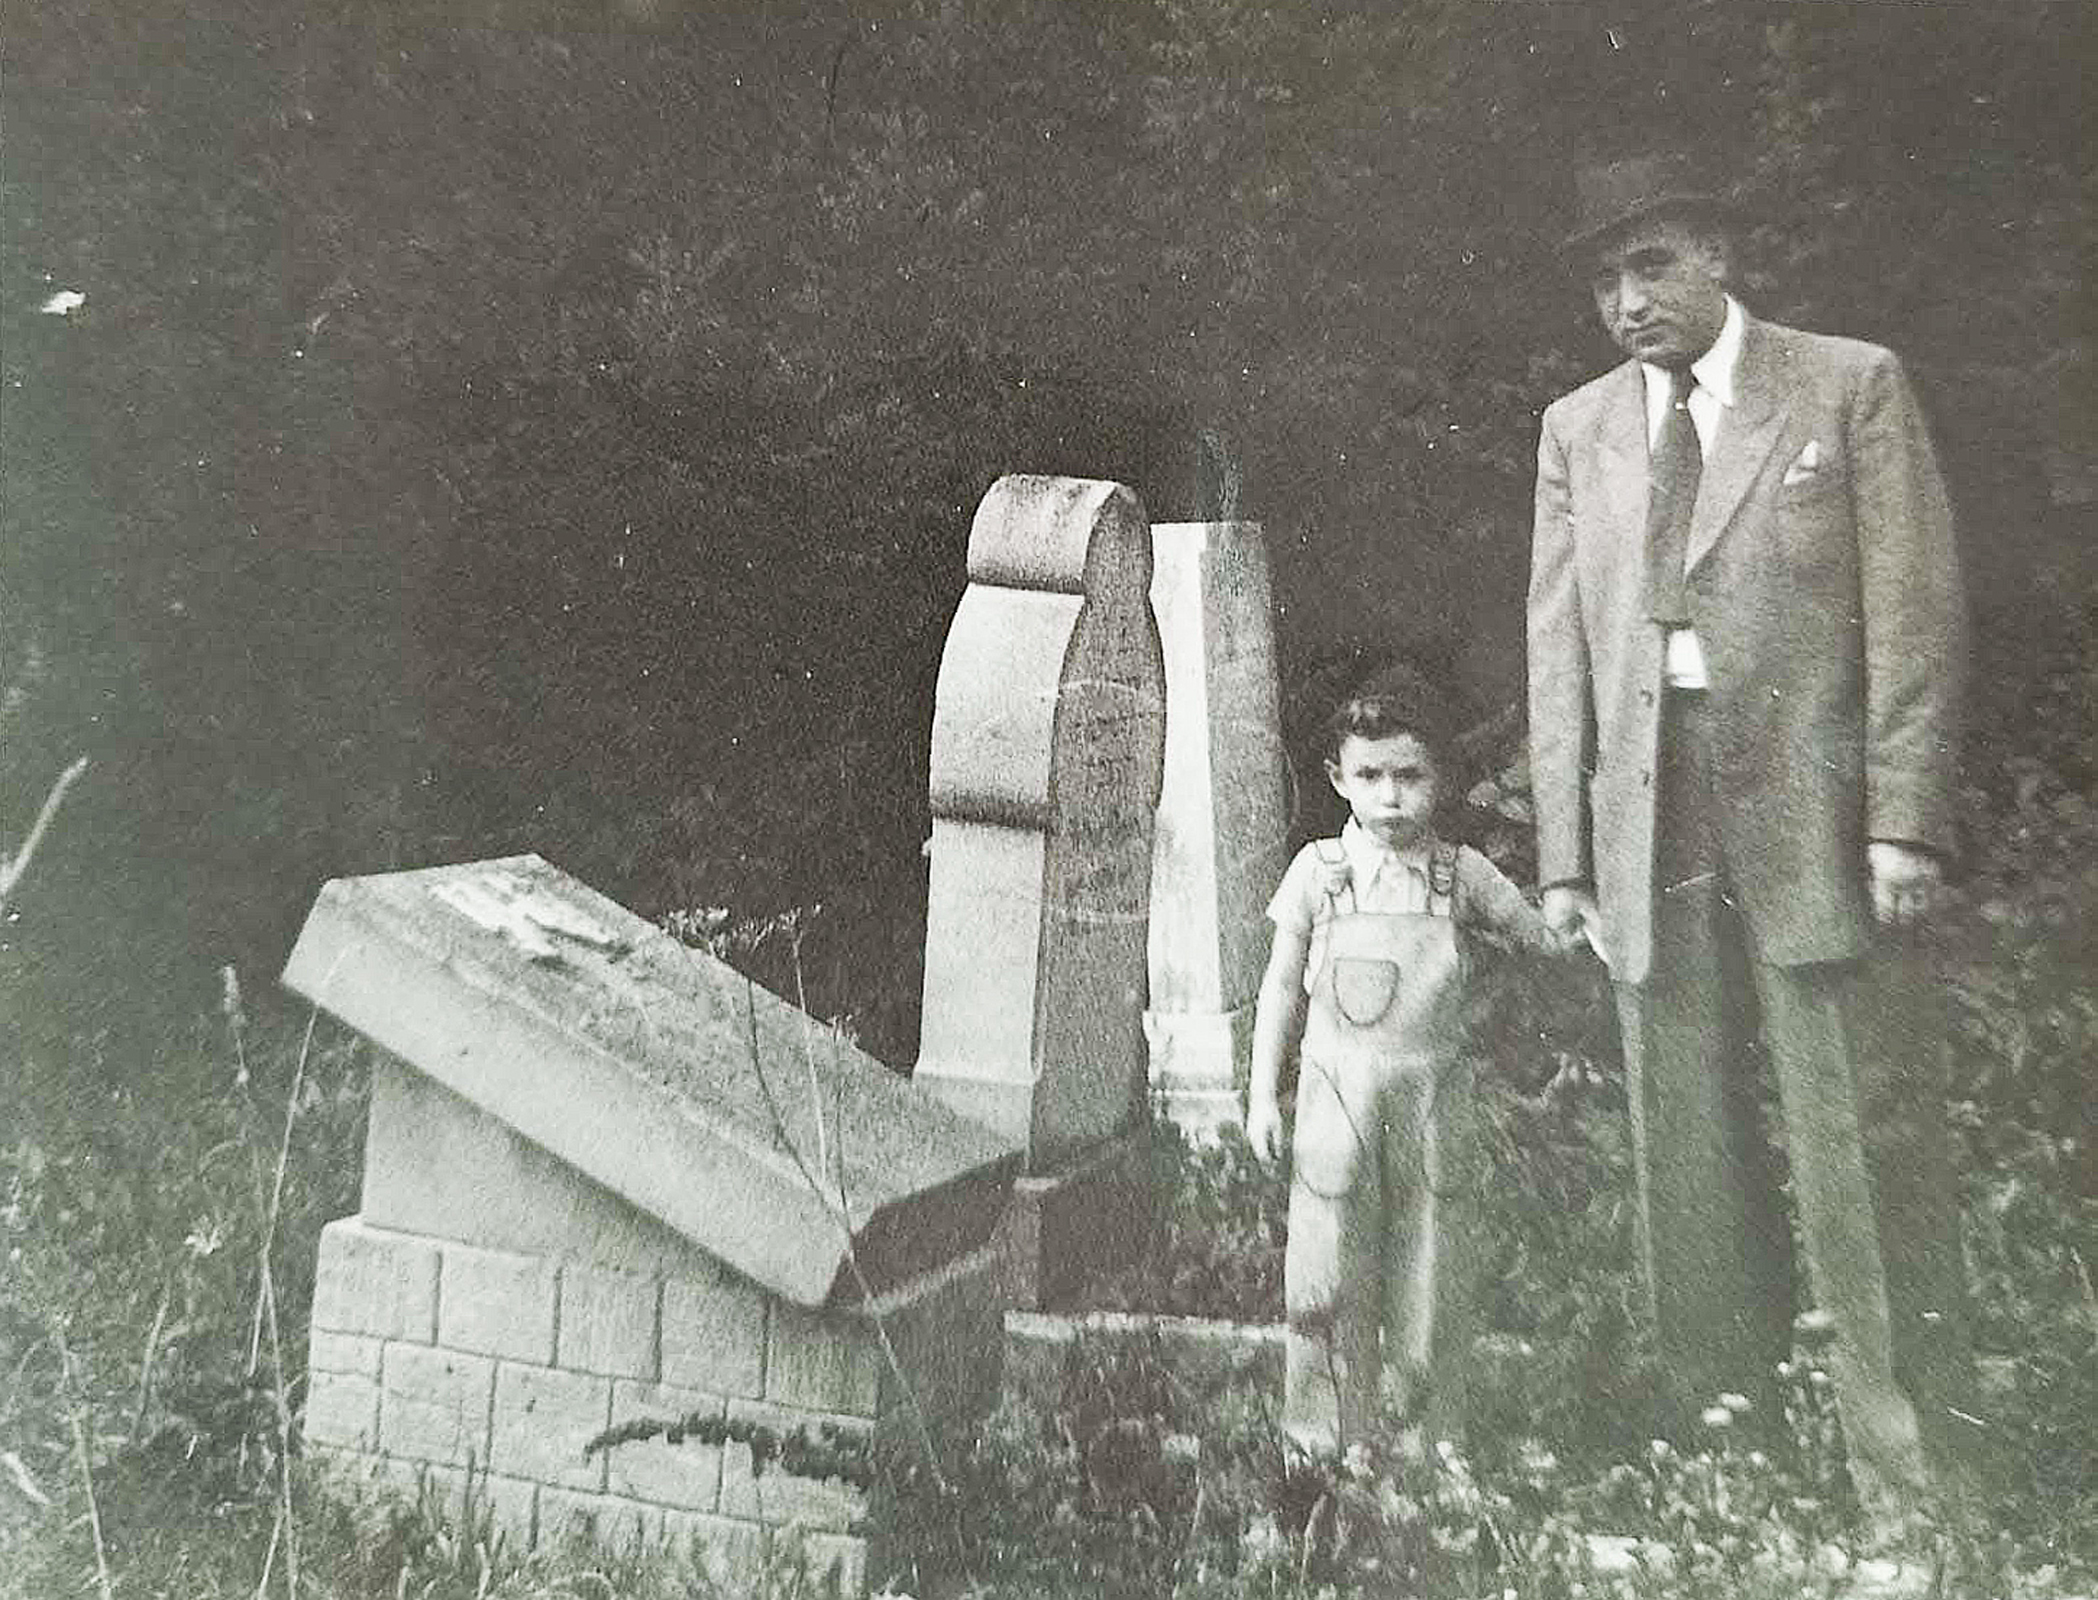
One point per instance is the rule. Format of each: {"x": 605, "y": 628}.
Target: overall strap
{"x": 1442, "y": 879}
{"x": 1328, "y": 906}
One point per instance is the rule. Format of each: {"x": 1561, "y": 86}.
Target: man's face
{"x": 1659, "y": 288}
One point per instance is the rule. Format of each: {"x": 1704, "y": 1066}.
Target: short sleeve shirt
{"x": 1358, "y": 872}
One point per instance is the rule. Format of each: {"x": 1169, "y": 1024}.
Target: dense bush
{"x": 562, "y": 433}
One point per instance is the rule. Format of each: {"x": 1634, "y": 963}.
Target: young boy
{"x": 1375, "y": 937}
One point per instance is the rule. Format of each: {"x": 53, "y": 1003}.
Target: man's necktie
{"x": 1671, "y": 481}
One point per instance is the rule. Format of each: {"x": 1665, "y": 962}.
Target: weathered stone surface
{"x": 374, "y": 1282}
{"x": 1077, "y": 1221}
{"x": 1223, "y": 815}
{"x": 435, "y": 1163}
{"x": 497, "y": 1303}
{"x": 344, "y": 1352}
{"x": 513, "y": 1506}
{"x": 1047, "y": 751}
{"x": 602, "y": 1040}
{"x": 822, "y": 1362}
{"x": 543, "y": 1418}
{"x": 342, "y": 1408}
{"x": 714, "y": 1334}
{"x": 685, "y": 1474}
{"x": 434, "y": 1404}
{"x": 609, "y": 1322}
{"x": 777, "y": 1497}
{"x": 461, "y": 1498}
{"x": 1200, "y": 1063}
{"x": 945, "y": 1333}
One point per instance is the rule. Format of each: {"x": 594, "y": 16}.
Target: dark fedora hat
{"x": 1618, "y": 193}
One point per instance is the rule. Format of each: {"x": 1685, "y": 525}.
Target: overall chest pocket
{"x": 1364, "y": 987}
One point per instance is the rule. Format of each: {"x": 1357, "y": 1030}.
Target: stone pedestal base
{"x": 1199, "y": 1064}
{"x": 1085, "y": 1218}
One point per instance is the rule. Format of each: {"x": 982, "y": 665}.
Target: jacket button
{"x": 1646, "y": 697}
{"x": 1645, "y": 779}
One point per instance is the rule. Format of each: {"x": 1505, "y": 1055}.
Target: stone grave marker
{"x": 1048, "y": 747}
{"x": 1223, "y": 818}
{"x": 609, "y": 1182}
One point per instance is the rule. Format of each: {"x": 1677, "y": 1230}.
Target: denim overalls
{"x": 1385, "y": 1173}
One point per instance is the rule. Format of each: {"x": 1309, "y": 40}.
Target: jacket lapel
{"x": 1747, "y": 433}
{"x": 1623, "y": 440}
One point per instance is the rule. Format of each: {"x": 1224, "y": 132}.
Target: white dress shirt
{"x": 1384, "y": 879}
{"x": 1683, "y": 667}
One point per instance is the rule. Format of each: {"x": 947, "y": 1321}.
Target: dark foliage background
{"x": 555, "y": 426}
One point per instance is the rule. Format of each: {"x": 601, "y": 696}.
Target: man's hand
{"x": 1905, "y": 882}
{"x": 1264, "y": 1125}
{"x": 1571, "y": 913}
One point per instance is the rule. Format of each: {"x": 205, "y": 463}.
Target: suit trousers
{"x": 1856, "y": 1051}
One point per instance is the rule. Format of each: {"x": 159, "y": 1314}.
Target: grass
{"x": 139, "y": 1402}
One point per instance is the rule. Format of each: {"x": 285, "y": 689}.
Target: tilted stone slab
{"x": 770, "y": 1142}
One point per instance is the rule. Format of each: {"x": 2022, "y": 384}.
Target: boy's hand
{"x": 1571, "y": 913}
{"x": 1264, "y": 1126}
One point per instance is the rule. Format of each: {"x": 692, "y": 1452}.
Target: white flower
{"x": 1736, "y": 1403}
{"x": 1716, "y": 1417}
{"x": 62, "y": 302}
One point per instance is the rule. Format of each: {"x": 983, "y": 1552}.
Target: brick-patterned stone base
{"x": 487, "y": 1422}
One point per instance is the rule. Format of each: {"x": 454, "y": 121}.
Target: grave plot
{"x": 615, "y": 1193}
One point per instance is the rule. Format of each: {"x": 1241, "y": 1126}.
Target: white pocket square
{"x": 1805, "y": 465}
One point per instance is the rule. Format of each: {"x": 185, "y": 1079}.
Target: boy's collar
{"x": 1368, "y": 851}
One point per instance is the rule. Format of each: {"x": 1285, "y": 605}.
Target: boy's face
{"x": 1388, "y": 783}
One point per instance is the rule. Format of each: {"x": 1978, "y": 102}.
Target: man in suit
{"x": 1746, "y": 645}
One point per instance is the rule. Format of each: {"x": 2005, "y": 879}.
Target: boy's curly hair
{"x": 1397, "y": 700}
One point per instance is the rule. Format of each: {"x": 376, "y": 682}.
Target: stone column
{"x": 1223, "y": 817}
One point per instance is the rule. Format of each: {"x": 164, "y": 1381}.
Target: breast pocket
{"x": 1814, "y": 493}
{"x": 1812, "y": 521}
{"x": 1364, "y": 988}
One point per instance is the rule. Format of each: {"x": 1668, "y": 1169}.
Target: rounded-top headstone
{"x": 1047, "y": 758}
{"x": 1071, "y": 535}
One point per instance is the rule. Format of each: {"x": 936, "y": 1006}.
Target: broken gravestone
{"x": 641, "y": 1246}
{"x": 1048, "y": 747}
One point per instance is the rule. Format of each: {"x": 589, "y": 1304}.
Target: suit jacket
{"x": 1825, "y": 590}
